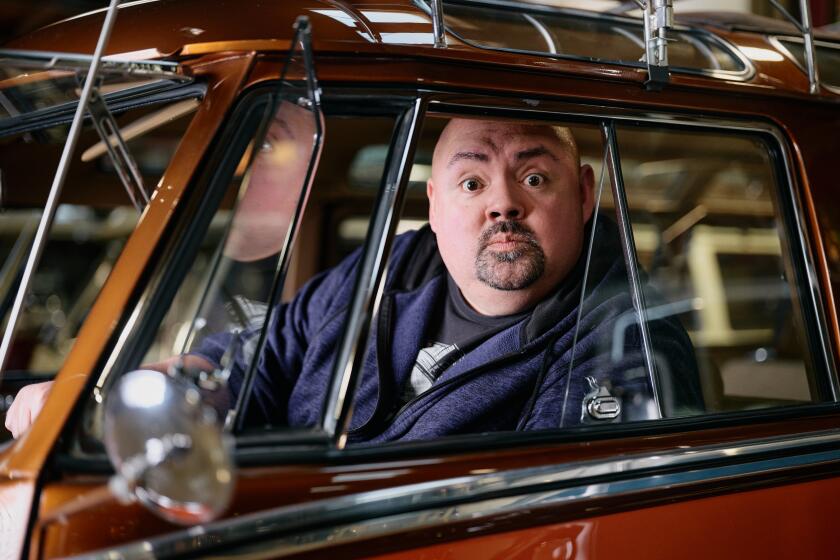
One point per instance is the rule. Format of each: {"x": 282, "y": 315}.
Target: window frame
{"x": 304, "y": 446}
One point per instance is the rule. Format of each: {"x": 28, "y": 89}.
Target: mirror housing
{"x": 168, "y": 448}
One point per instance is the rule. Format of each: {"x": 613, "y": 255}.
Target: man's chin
{"x": 509, "y": 276}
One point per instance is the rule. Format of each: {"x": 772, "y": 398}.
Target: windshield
{"x": 146, "y": 106}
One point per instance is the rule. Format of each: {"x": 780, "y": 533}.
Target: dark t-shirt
{"x": 458, "y": 328}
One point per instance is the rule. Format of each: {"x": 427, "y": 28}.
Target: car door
{"x": 572, "y": 490}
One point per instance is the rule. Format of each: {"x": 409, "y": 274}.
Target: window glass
{"x": 507, "y": 303}
{"x": 92, "y": 223}
{"x": 244, "y": 282}
{"x": 708, "y": 229}
{"x": 517, "y": 296}
{"x": 601, "y": 38}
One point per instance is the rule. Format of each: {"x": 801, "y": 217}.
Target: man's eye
{"x": 534, "y": 180}
{"x": 470, "y": 185}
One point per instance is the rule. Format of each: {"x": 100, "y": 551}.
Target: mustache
{"x": 519, "y": 230}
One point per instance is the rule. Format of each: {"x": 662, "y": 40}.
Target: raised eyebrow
{"x": 536, "y": 151}
{"x": 474, "y": 156}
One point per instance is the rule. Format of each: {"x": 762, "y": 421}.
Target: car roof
{"x": 184, "y": 29}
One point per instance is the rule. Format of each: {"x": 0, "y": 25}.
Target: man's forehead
{"x": 476, "y": 140}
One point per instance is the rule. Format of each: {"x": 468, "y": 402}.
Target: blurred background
{"x": 18, "y": 17}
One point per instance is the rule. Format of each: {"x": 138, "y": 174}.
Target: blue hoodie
{"x": 530, "y": 376}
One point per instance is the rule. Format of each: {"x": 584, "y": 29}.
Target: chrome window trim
{"x": 475, "y": 497}
{"x": 370, "y": 279}
{"x": 118, "y": 101}
{"x": 301, "y": 42}
{"x": 631, "y": 261}
{"x": 776, "y": 40}
{"x": 745, "y": 75}
{"x": 151, "y": 67}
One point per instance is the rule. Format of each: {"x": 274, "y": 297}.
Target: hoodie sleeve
{"x": 291, "y": 326}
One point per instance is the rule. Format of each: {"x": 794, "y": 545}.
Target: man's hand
{"x": 27, "y": 405}
{"x": 30, "y": 400}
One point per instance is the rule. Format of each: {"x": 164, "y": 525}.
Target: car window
{"x": 451, "y": 362}
{"x": 94, "y": 219}
{"x": 682, "y": 301}
{"x": 667, "y": 259}
{"x": 827, "y": 56}
{"x": 263, "y": 252}
{"x": 708, "y": 214}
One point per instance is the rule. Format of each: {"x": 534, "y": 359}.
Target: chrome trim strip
{"x": 369, "y": 282}
{"x": 479, "y": 496}
{"x": 51, "y": 206}
{"x": 813, "y": 287}
{"x": 543, "y": 31}
{"x": 150, "y": 68}
{"x": 631, "y": 260}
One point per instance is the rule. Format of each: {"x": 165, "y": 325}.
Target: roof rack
{"x": 565, "y": 34}
{"x": 658, "y": 26}
{"x": 658, "y": 18}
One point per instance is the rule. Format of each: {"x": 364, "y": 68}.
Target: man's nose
{"x": 505, "y": 204}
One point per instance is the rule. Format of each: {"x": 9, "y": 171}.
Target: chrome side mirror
{"x": 168, "y": 448}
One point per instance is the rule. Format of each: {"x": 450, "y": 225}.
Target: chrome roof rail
{"x": 658, "y": 17}
{"x": 438, "y": 28}
{"x": 805, "y": 27}
{"x": 51, "y": 206}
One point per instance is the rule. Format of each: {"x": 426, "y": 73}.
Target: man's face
{"x": 508, "y": 202}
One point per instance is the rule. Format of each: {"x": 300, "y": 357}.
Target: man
{"x": 485, "y": 322}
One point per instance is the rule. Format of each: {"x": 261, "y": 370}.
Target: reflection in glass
{"x": 706, "y": 219}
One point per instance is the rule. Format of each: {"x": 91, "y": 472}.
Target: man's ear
{"x": 587, "y": 191}
{"x": 430, "y": 194}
